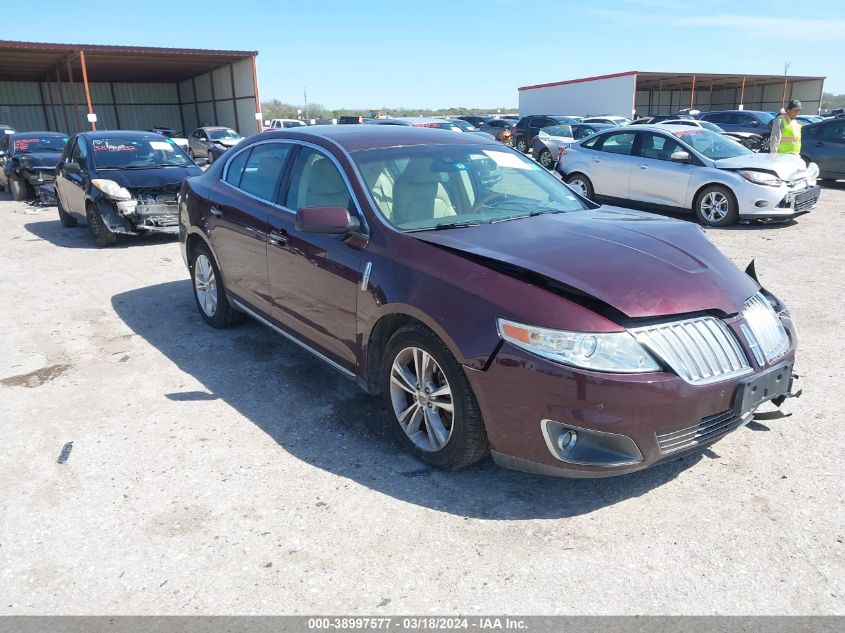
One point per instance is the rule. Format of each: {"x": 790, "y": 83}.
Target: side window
{"x": 80, "y": 153}
{"x": 657, "y": 146}
{"x": 316, "y": 182}
{"x": 834, "y": 132}
{"x": 203, "y": 136}
{"x": 715, "y": 118}
{"x": 4, "y": 142}
{"x": 235, "y": 168}
{"x": 618, "y": 143}
{"x": 591, "y": 144}
{"x": 263, "y": 168}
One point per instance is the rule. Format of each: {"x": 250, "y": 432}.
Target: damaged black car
{"x": 28, "y": 163}
{"x": 121, "y": 182}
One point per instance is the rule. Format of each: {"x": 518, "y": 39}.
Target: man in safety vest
{"x": 786, "y": 131}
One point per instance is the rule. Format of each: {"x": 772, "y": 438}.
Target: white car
{"x": 608, "y": 118}
{"x": 686, "y": 167}
{"x": 277, "y": 124}
{"x": 177, "y": 137}
{"x": 547, "y": 145}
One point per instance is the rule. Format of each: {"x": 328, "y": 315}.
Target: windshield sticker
{"x": 683, "y": 133}
{"x": 106, "y": 146}
{"x": 23, "y": 143}
{"x": 506, "y": 159}
{"x": 65, "y": 139}
{"x": 460, "y": 166}
{"x": 161, "y": 145}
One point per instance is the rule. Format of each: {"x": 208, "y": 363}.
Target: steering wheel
{"x": 486, "y": 198}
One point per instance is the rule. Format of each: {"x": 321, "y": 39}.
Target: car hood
{"x": 640, "y": 264}
{"x": 40, "y": 159}
{"x": 786, "y": 166}
{"x": 157, "y": 177}
{"x": 484, "y": 134}
{"x": 228, "y": 142}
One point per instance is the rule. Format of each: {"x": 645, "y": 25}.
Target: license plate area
{"x": 761, "y": 388}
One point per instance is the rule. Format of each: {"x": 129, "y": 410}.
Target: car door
{"x": 610, "y": 164}
{"x": 238, "y": 224}
{"x": 72, "y": 178}
{"x": 314, "y": 277}
{"x": 655, "y": 177}
{"x": 826, "y": 146}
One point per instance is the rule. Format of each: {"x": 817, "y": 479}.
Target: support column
{"x": 213, "y": 97}
{"x": 783, "y": 98}
{"x": 692, "y": 95}
{"x": 742, "y": 94}
{"x": 73, "y": 99}
{"x": 87, "y": 91}
{"x": 234, "y": 97}
{"x": 44, "y": 106}
{"x": 259, "y": 122}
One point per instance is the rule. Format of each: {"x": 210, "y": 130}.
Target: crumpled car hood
{"x": 786, "y": 166}
{"x": 156, "y": 177}
{"x": 641, "y": 264}
{"x": 228, "y": 142}
{"x": 40, "y": 159}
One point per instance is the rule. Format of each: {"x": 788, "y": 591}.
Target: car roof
{"x": 16, "y": 134}
{"x": 354, "y": 138}
{"x": 119, "y": 134}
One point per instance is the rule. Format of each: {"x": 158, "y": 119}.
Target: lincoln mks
{"x": 494, "y": 309}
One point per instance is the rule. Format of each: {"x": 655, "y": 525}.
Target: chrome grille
{"x": 763, "y": 330}
{"x": 708, "y": 428}
{"x": 700, "y": 350}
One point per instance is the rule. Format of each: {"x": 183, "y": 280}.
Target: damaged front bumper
{"x": 149, "y": 211}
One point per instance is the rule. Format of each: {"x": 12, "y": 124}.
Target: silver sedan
{"x": 690, "y": 168}
{"x": 203, "y": 139}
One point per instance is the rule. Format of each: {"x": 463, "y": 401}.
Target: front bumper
{"x": 135, "y": 218}
{"x": 520, "y": 392}
{"x": 37, "y": 177}
{"x": 761, "y": 202}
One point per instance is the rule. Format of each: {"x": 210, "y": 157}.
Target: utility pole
{"x": 786, "y": 67}
{"x": 305, "y": 94}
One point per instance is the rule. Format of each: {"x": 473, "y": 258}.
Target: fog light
{"x": 566, "y": 440}
{"x": 761, "y": 204}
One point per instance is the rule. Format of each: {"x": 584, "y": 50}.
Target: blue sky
{"x": 440, "y": 53}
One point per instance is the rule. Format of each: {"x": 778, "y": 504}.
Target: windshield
{"x": 711, "y": 126}
{"x": 766, "y": 117}
{"x": 128, "y": 152}
{"x": 222, "y": 133}
{"x": 34, "y": 143}
{"x": 710, "y": 144}
{"x": 168, "y": 133}
{"x": 465, "y": 126}
{"x": 558, "y": 130}
{"x": 427, "y": 187}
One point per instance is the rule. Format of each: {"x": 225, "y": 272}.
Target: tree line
{"x": 830, "y": 101}
{"x": 275, "y": 109}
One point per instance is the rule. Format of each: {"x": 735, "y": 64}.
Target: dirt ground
{"x": 151, "y": 464}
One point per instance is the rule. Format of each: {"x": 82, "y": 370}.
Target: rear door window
{"x": 235, "y": 168}
{"x": 619, "y": 143}
{"x": 263, "y": 169}
{"x": 834, "y": 132}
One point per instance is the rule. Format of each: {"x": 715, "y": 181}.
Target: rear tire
{"x": 18, "y": 188}
{"x": 716, "y": 206}
{"x": 67, "y": 220}
{"x": 581, "y": 184}
{"x": 102, "y": 234}
{"x": 422, "y": 379}
{"x": 522, "y": 145}
{"x": 209, "y": 291}
{"x": 546, "y": 159}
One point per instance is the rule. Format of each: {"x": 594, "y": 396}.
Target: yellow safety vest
{"x": 790, "y": 140}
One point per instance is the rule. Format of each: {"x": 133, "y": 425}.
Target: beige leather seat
{"x": 418, "y": 194}
{"x": 324, "y": 186}
{"x": 380, "y": 181}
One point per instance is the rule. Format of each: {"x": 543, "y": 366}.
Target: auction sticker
{"x": 506, "y": 159}
{"x": 161, "y": 145}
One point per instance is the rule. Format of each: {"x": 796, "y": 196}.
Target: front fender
{"x": 111, "y": 218}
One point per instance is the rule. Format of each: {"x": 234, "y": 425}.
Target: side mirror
{"x": 755, "y": 123}
{"x": 73, "y": 168}
{"x": 2, "y": 153}
{"x": 334, "y": 220}
{"x": 680, "y": 157}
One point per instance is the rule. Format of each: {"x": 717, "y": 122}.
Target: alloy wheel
{"x": 422, "y": 399}
{"x": 546, "y": 159}
{"x": 581, "y": 186}
{"x": 205, "y": 285}
{"x": 715, "y": 206}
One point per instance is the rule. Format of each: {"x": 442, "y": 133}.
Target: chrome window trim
{"x": 321, "y": 150}
{"x": 292, "y": 338}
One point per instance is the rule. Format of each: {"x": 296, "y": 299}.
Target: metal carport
{"x": 59, "y": 86}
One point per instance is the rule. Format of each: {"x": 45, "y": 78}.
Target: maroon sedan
{"x": 494, "y": 309}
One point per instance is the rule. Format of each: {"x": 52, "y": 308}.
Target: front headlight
{"x": 760, "y": 177}
{"x": 111, "y": 189}
{"x": 612, "y": 352}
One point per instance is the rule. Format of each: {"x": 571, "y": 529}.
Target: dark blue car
{"x": 824, "y": 144}
{"x": 122, "y": 182}
{"x": 28, "y": 161}
{"x": 751, "y": 121}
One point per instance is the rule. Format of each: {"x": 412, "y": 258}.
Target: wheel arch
{"x": 712, "y": 183}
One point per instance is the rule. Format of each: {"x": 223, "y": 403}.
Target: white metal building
{"x": 58, "y": 86}
{"x": 648, "y": 94}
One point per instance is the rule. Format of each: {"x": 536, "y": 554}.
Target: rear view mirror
{"x": 334, "y": 220}
{"x": 680, "y": 156}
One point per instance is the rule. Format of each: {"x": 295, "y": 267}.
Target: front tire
{"x": 102, "y": 233}
{"x": 209, "y": 291}
{"x": 18, "y": 188}
{"x": 435, "y": 413}
{"x": 581, "y": 184}
{"x": 716, "y": 206}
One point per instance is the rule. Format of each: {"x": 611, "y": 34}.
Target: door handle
{"x": 216, "y": 211}
{"x": 597, "y": 160}
{"x": 278, "y": 238}
{"x": 643, "y": 166}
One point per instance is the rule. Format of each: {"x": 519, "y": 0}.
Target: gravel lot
{"x": 229, "y": 472}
